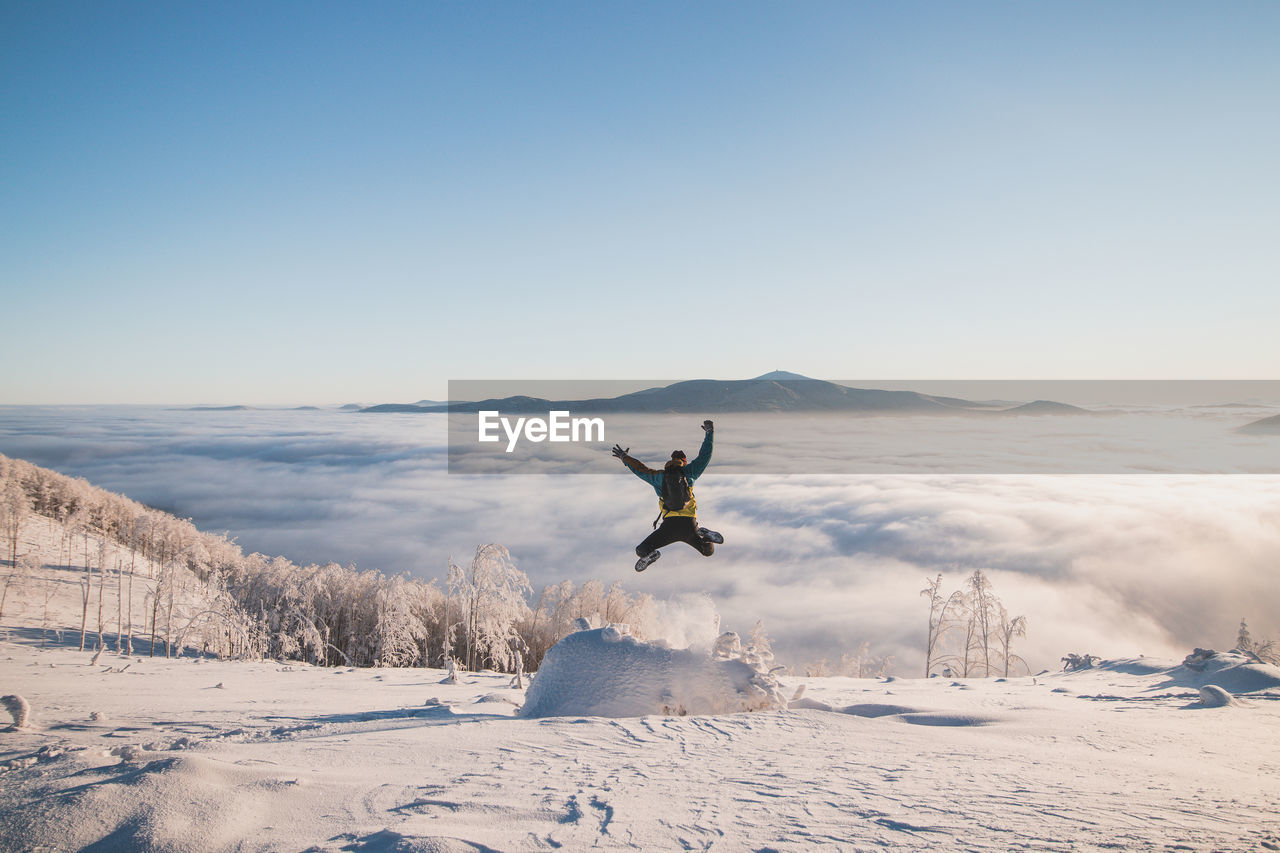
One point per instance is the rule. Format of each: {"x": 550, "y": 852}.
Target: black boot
{"x": 647, "y": 560}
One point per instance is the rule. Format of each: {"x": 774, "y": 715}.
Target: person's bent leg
{"x": 669, "y": 531}
{"x": 690, "y": 536}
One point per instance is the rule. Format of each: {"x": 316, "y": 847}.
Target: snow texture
{"x": 604, "y": 672}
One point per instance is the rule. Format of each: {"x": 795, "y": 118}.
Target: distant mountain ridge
{"x": 777, "y": 391}
{"x": 1266, "y": 426}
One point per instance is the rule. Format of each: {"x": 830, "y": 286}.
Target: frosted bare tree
{"x": 589, "y": 601}
{"x": 47, "y": 591}
{"x": 982, "y": 610}
{"x": 14, "y": 509}
{"x": 980, "y": 625}
{"x": 759, "y": 648}
{"x": 102, "y": 582}
{"x": 501, "y": 606}
{"x": 80, "y": 525}
{"x": 940, "y": 619}
{"x": 17, "y": 575}
{"x": 455, "y": 611}
{"x": 1007, "y": 630}
{"x": 490, "y": 593}
{"x": 549, "y": 621}
{"x": 398, "y": 630}
{"x": 615, "y": 604}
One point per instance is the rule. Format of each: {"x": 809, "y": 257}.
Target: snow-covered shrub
{"x": 517, "y": 681}
{"x": 1073, "y": 662}
{"x": 759, "y": 650}
{"x": 451, "y": 676}
{"x": 1196, "y": 660}
{"x": 17, "y": 708}
{"x": 727, "y": 647}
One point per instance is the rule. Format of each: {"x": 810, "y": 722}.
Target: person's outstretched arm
{"x": 641, "y": 470}
{"x": 699, "y": 464}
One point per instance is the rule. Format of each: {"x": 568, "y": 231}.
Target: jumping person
{"x": 677, "y": 509}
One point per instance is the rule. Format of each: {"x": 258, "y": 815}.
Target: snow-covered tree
{"x": 549, "y": 621}
{"x": 16, "y": 575}
{"x": 1007, "y": 630}
{"x": 588, "y": 602}
{"x": 200, "y": 591}
{"x": 14, "y": 509}
{"x": 1264, "y": 651}
{"x": 937, "y": 625}
{"x": 490, "y": 595}
{"x": 973, "y": 627}
{"x": 759, "y": 648}
{"x": 399, "y": 630}
{"x": 982, "y": 611}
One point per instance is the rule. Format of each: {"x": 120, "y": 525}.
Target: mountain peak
{"x": 780, "y": 376}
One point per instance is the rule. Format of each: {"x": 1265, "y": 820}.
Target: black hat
{"x": 678, "y": 454}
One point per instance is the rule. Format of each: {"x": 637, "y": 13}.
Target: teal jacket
{"x": 692, "y": 471}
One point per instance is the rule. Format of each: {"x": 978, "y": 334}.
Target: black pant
{"x": 675, "y": 528}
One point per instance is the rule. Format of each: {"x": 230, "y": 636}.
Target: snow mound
{"x": 1232, "y": 671}
{"x": 605, "y": 672}
{"x": 187, "y": 803}
{"x": 1213, "y": 696}
{"x": 1136, "y": 666}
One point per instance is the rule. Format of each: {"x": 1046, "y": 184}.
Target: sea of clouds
{"x": 1115, "y": 564}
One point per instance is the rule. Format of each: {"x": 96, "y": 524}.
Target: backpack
{"x": 675, "y": 489}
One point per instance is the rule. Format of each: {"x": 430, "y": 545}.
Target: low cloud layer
{"x": 1111, "y": 565}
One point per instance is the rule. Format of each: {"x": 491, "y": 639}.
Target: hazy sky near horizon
{"x": 327, "y": 203}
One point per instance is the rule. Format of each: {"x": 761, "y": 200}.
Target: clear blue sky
{"x": 332, "y": 202}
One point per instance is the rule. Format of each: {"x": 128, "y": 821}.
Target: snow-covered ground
{"x": 153, "y": 754}
{"x": 142, "y": 753}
